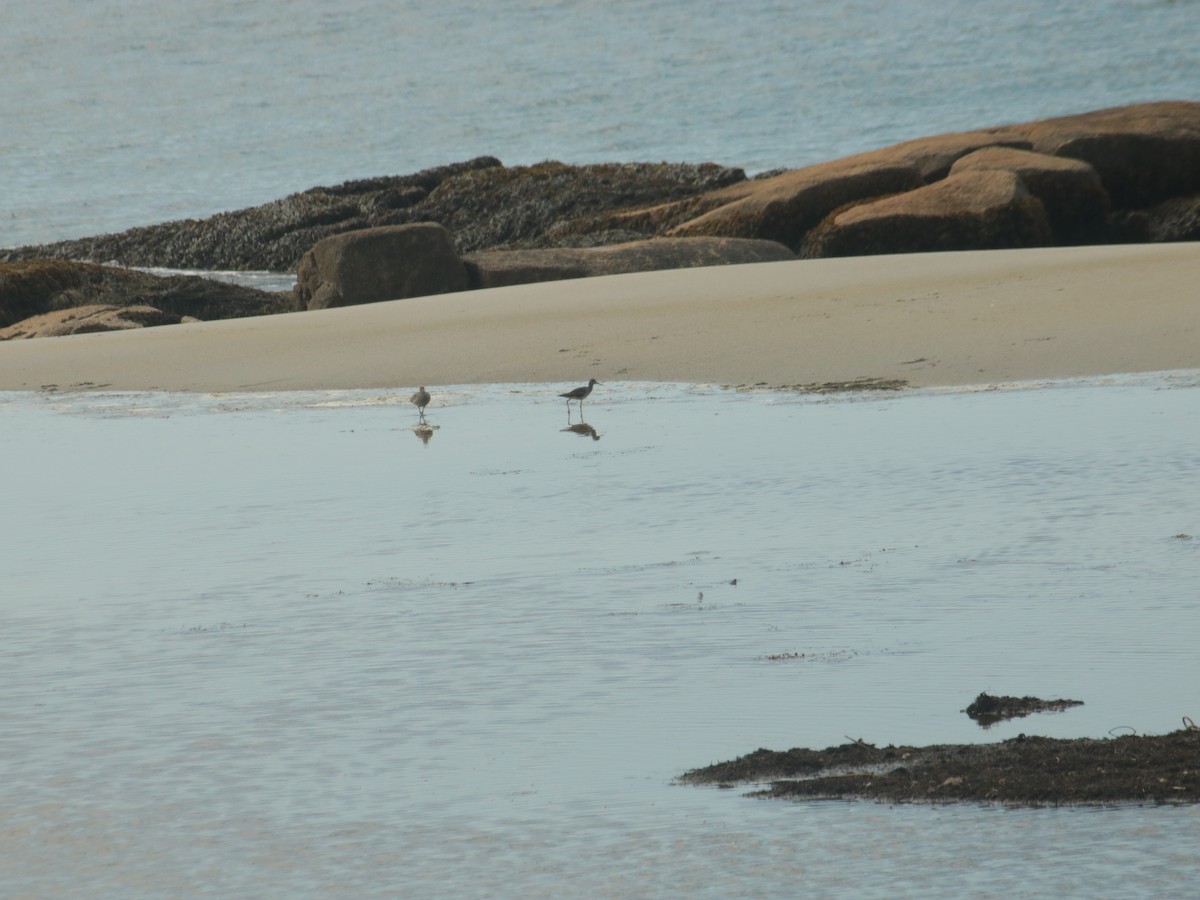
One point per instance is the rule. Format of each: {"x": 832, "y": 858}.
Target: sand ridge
{"x": 922, "y": 319}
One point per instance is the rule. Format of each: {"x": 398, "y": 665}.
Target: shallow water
{"x": 282, "y": 644}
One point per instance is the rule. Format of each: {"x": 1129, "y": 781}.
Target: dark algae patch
{"x": 864, "y": 384}
{"x": 1022, "y": 771}
{"x": 987, "y": 709}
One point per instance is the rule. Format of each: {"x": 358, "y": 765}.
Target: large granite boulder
{"x": 1113, "y": 161}
{"x": 785, "y": 206}
{"x": 1144, "y": 154}
{"x": 86, "y": 320}
{"x": 972, "y": 210}
{"x": 1075, "y": 201}
{"x": 32, "y": 287}
{"x": 933, "y": 156}
{"x": 782, "y": 208}
{"x": 390, "y": 263}
{"x": 500, "y": 268}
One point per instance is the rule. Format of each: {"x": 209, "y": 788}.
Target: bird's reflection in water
{"x": 425, "y": 431}
{"x": 583, "y": 429}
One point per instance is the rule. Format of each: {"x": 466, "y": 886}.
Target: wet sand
{"x": 920, "y": 320}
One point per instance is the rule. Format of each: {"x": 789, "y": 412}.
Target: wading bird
{"x": 421, "y": 400}
{"x": 579, "y": 393}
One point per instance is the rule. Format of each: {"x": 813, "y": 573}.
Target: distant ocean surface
{"x": 117, "y": 113}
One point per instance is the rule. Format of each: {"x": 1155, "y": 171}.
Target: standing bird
{"x": 421, "y": 400}
{"x": 578, "y": 394}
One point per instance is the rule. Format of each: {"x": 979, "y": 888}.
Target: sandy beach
{"x": 923, "y": 319}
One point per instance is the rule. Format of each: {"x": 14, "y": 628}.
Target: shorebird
{"x": 579, "y": 393}
{"x": 421, "y": 400}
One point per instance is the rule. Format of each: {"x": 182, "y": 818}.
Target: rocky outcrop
{"x": 933, "y": 156}
{"x": 481, "y": 202}
{"x": 1144, "y": 154}
{"x": 1177, "y": 219}
{"x": 1093, "y": 174}
{"x": 1126, "y": 174}
{"x": 35, "y": 287}
{"x": 1070, "y": 191}
{"x": 972, "y": 210}
{"x": 379, "y": 264}
{"x": 270, "y": 237}
{"x": 507, "y": 267}
{"x": 88, "y": 319}
{"x": 556, "y": 205}
{"x": 785, "y": 207}
{"x": 1141, "y": 156}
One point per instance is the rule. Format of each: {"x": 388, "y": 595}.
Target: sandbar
{"x": 922, "y": 320}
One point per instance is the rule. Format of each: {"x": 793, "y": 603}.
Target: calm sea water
{"x": 287, "y": 645}
{"x": 116, "y": 113}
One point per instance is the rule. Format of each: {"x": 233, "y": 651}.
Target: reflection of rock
{"x": 987, "y": 709}
{"x": 379, "y": 264}
{"x": 583, "y": 429}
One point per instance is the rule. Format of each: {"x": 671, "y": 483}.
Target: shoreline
{"x": 917, "y": 320}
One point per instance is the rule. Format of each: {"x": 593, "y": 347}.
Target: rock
{"x": 1141, "y": 154}
{"x": 1070, "y": 190}
{"x": 1177, "y": 219}
{"x": 31, "y": 287}
{"x": 480, "y": 201}
{"x": 390, "y": 263}
{"x": 87, "y": 319}
{"x": 270, "y": 237}
{"x": 783, "y": 208}
{"x": 934, "y": 156}
{"x": 553, "y": 205}
{"x": 988, "y": 709}
{"x": 967, "y": 211}
{"x": 1144, "y": 154}
{"x": 1023, "y": 770}
{"x": 499, "y": 268}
